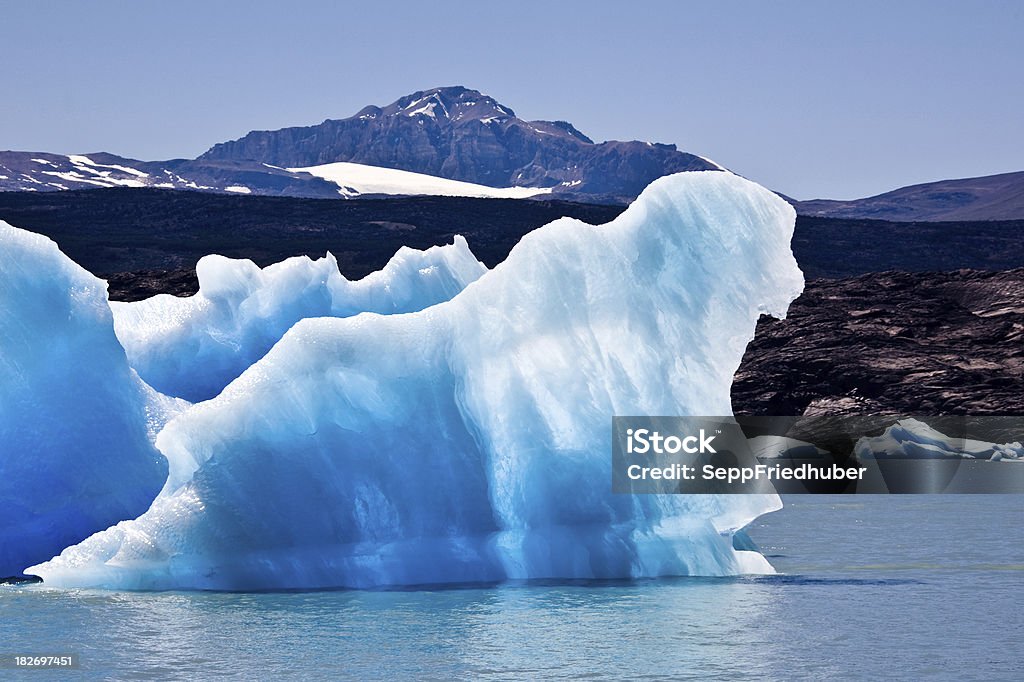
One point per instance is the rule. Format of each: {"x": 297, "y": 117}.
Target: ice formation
{"x": 76, "y": 424}
{"x": 471, "y": 441}
{"x": 193, "y": 347}
{"x": 914, "y": 439}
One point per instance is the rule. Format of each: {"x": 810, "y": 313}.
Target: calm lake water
{"x": 873, "y": 587}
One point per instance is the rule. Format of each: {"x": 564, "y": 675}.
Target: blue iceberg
{"x": 193, "y": 347}
{"x": 470, "y": 441}
{"x": 76, "y": 423}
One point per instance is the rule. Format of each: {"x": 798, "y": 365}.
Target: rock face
{"x": 915, "y": 343}
{"x": 461, "y": 134}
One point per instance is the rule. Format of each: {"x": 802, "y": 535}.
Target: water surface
{"x": 872, "y": 587}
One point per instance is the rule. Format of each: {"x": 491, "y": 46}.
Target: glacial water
{"x": 923, "y": 587}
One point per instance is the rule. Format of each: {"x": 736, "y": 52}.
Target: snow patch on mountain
{"x": 354, "y": 179}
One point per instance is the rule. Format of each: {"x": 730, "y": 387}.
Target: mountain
{"x": 461, "y": 134}
{"x": 993, "y": 197}
{"x": 450, "y": 141}
{"x": 454, "y": 141}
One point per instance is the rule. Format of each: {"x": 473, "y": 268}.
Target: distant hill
{"x": 993, "y": 197}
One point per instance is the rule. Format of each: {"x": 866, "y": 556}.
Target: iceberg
{"x": 471, "y": 441}
{"x": 76, "y": 423}
{"x": 193, "y": 347}
{"x": 914, "y": 439}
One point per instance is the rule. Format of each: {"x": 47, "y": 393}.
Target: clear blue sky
{"x": 814, "y": 99}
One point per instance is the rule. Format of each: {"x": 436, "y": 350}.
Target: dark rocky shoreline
{"x": 911, "y": 343}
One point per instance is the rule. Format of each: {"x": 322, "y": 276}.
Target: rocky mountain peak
{"x": 462, "y": 134}
{"x": 456, "y": 105}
